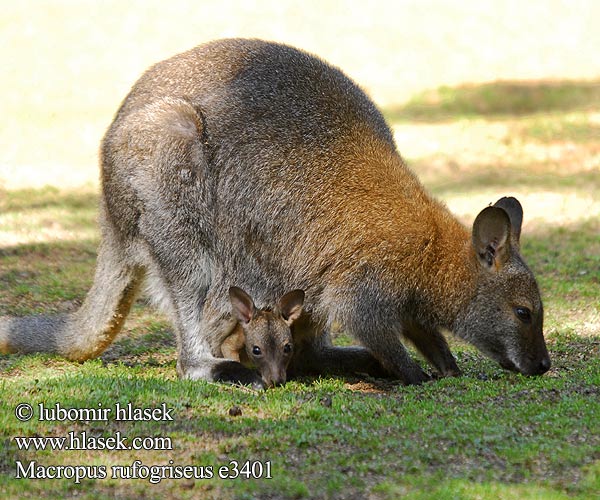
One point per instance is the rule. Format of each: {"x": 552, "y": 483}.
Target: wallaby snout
{"x": 543, "y": 365}
{"x": 274, "y": 376}
{"x": 535, "y": 367}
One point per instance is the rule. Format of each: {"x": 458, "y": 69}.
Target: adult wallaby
{"x": 262, "y": 338}
{"x": 252, "y": 162}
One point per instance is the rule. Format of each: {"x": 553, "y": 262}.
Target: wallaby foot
{"x": 329, "y": 360}
{"x": 220, "y": 370}
{"x": 314, "y": 354}
{"x": 434, "y": 348}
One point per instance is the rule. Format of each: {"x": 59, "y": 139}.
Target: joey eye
{"x": 287, "y": 348}
{"x": 523, "y": 313}
{"x": 256, "y": 351}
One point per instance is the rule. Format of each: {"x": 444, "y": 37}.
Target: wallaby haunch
{"x": 255, "y": 163}
{"x": 262, "y": 338}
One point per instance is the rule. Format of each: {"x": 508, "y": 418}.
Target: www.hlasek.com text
{"x": 85, "y": 441}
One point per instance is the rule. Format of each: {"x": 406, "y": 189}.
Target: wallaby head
{"x": 505, "y": 318}
{"x": 268, "y": 337}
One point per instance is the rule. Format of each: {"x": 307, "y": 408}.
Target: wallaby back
{"x": 255, "y": 163}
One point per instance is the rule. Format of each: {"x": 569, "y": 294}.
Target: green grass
{"x": 466, "y": 436}
{"x": 570, "y": 259}
{"x": 487, "y": 434}
{"x": 574, "y": 127}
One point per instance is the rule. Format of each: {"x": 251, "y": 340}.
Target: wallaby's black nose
{"x": 544, "y": 365}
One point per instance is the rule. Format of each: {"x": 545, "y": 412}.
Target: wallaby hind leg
{"x": 156, "y": 155}
{"x": 318, "y": 358}
{"x": 87, "y": 332}
{"x": 314, "y": 354}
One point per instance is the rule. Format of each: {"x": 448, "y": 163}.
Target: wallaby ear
{"x": 515, "y": 213}
{"x": 291, "y": 305}
{"x": 491, "y": 231}
{"x": 242, "y": 304}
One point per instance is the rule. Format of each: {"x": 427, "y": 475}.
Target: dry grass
{"x": 468, "y": 162}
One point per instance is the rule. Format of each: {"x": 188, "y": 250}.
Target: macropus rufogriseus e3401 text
{"x": 262, "y": 338}
{"x": 249, "y": 162}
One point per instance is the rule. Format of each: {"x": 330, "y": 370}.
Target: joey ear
{"x": 515, "y": 213}
{"x": 291, "y": 305}
{"x": 242, "y": 304}
{"x": 490, "y": 237}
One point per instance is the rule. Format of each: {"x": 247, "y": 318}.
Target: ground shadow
{"x": 23, "y": 200}
{"x": 498, "y": 99}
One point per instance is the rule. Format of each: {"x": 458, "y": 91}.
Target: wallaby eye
{"x": 287, "y": 348}
{"x": 524, "y": 314}
{"x": 256, "y": 351}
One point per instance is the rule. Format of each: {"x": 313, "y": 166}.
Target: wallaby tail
{"x": 87, "y": 332}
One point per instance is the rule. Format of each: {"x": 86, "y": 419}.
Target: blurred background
{"x": 66, "y": 65}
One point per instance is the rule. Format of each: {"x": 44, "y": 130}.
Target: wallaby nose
{"x": 278, "y": 379}
{"x": 268, "y": 383}
{"x": 544, "y": 365}
{"x": 274, "y": 378}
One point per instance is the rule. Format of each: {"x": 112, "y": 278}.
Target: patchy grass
{"x": 487, "y": 434}
{"x": 42, "y": 277}
{"x": 572, "y": 127}
{"x": 569, "y": 260}
{"x": 29, "y": 216}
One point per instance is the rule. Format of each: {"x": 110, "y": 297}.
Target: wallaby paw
{"x": 231, "y": 372}
{"x": 416, "y": 378}
{"x": 259, "y": 386}
{"x": 455, "y": 372}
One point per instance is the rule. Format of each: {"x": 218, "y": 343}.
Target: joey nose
{"x": 278, "y": 380}
{"x": 274, "y": 383}
{"x": 268, "y": 383}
